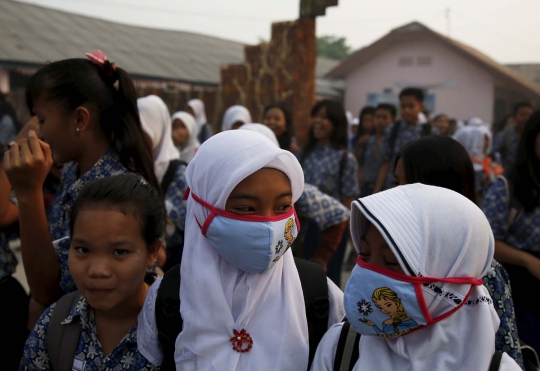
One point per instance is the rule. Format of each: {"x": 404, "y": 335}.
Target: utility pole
{"x": 447, "y": 22}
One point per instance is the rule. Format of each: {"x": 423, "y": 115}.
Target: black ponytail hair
{"x": 336, "y": 115}
{"x": 128, "y": 194}
{"x": 110, "y": 91}
{"x": 284, "y": 139}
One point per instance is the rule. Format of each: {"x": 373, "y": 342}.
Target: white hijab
{"x": 198, "y": 108}
{"x": 261, "y": 129}
{"x": 188, "y": 150}
{"x": 156, "y": 122}
{"x": 472, "y": 138}
{"x": 269, "y": 306}
{"x": 234, "y": 114}
{"x": 438, "y": 233}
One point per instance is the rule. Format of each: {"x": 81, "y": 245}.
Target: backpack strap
{"x": 393, "y": 137}
{"x": 169, "y": 175}
{"x": 514, "y": 206}
{"x": 347, "y": 351}
{"x": 315, "y": 289}
{"x": 495, "y": 361}
{"x": 426, "y": 130}
{"x": 168, "y": 319}
{"x": 63, "y": 340}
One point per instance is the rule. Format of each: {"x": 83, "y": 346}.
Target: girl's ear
{"x": 153, "y": 252}
{"x": 82, "y": 117}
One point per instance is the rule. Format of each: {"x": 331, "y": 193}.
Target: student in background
{"x": 9, "y": 126}
{"x": 184, "y": 135}
{"x": 170, "y": 172}
{"x": 329, "y": 166}
{"x": 443, "y": 162}
{"x": 366, "y": 127}
{"x": 235, "y": 117}
{"x": 399, "y": 134}
{"x": 278, "y": 118}
{"x": 89, "y": 122}
{"x": 371, "y": 160}
{"x": 512, "y": 206}
{"x": 442, "y": 123}
{"x": 506, "y": 141}
{"x": 196, "y": 108}
{"x": 116, "y": 226}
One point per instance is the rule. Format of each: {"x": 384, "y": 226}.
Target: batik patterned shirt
{"x": 405, "y": 135}
{"x": 322, "y": 168}
{"x": 8, "y": 261}
{"x": 506, "y": 148}
{"x": 371, "y": 160}
{"x": 71, "y": 184}
{"x": 89, "y": 355}
{"x": 324, "y": 210}
{"x": 524, "y": 232}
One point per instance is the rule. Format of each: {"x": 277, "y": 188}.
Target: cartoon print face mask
{"x": 383, "y": 303}
{"x": 251, "y": 243}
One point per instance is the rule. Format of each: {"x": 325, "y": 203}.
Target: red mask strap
{"x": 186, "y": 194}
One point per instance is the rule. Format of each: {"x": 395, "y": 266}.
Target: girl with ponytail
{"x": 89, "y": 123}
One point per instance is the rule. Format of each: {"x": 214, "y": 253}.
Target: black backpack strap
{"x": 495, "y": 361}
{"x": 315, "y": 289}
{"x": 426, "y": 130}
{"x": 342, "y": 163}
{"x": 169, "y": 175}
{"x": 393, "y": 137}
{"x": 63, "y": 340}
{"x": 347, "y": 351}
{"x": 168, "y": 319}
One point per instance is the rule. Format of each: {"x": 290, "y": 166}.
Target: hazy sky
{"x": 503, "y": 30}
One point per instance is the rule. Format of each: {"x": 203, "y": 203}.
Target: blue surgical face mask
{"x": 251, "y": 243}
{"x": 384, "y": 303}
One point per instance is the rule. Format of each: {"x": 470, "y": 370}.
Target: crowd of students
{"x": 167, "y": 247}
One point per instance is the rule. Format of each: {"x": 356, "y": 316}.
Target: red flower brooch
{"x": 240, "y": 339}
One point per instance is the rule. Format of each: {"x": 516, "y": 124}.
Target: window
{"x": 405, "y": 61}
{"x": 424, "y": 60}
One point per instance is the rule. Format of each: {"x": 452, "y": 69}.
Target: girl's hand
{"x": 27, "y": 164}
{"x": 31, "y": 124}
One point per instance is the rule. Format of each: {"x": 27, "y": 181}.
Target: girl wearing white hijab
{"x": 170, "y": 172}
{"x": 156, "y": 123}
{"x": 235, "y": 117}
{"x": 416, "y": 294}
{"x": 239, "y": 279}
{"x": 197, "y": 109}
{"x": 184, "y": 134}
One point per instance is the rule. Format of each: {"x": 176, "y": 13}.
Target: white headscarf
{"x": 156, "y": 122}
{"x": 234, "y": 114}
{"x": 197, "y": 106}
{"x": 270, "y": 306}
{"x": 187, "y": 151}
{"x": 475, "y": 121}
{"x": 261, "y": 129}
{"x": 473, "y": 139}
{"x": 438, "y": 233}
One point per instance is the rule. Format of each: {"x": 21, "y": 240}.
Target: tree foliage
{"x": 332, "y": 47}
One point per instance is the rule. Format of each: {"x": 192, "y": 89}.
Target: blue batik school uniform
{"x": 324, "y": 210}
{"x": 176, "y": 213}
{"x": 71, "y": 184}
{"x": 370, "y": 162}
{"x": 89, "y": 355}
{"x": 405, "y": 135}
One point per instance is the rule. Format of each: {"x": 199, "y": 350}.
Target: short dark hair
{"x": 521, "y": 105}
{"x": 284, "y": 139}
{"x": 126, "y": 193}
{"x": 416, "y": 93}
{"x": 388, "y": 107}
{"x": 526, "y": 170}
{"x": 439, "y": 161}
{"x": 336, "y": 114}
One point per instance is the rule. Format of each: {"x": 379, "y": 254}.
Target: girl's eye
{"x": 82, "y": 250}
{"x": 244, "y": 210}
{"x": 364, "y": 256}
{"x": 120, "y": 252}
{"x": 284, "y": 208}
{"x": 391, "y": 263}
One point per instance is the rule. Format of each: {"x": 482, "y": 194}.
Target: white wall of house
{"x": 425, "y": 62}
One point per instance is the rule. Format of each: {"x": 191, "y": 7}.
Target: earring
{"x": 78, "y": 130}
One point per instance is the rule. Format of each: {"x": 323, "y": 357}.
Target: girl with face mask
{"x": 419, "y": 281}
{"x": 239, "y": 280}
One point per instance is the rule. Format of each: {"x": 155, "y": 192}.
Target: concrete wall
{"x": 472, "y": 95}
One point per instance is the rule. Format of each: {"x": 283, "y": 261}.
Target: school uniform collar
{"x": 102, "y": 165}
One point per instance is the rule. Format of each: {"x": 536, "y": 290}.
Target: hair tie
{"x": 108, "y": 69}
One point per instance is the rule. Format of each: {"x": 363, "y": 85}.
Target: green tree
{"x": 332, "y": 47}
